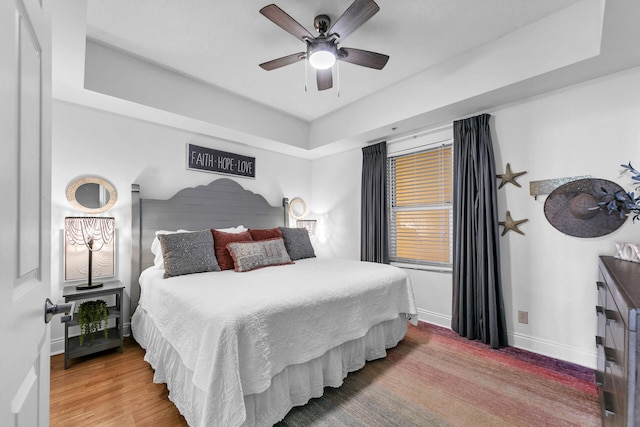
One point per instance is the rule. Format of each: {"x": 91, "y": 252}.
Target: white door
{"x": 25, "y": 190}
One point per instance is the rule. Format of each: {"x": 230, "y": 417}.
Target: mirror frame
{"x": 293, "y": 205}
{"x": 76, "y": 183}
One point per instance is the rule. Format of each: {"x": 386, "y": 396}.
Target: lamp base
{"x": 89, "y": 286}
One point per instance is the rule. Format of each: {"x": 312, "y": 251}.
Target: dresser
{"x": 617, "y": 342}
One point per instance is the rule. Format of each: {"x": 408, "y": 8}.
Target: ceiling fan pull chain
{"x": 305, "y": 75}
{"x": 338, "y": 76}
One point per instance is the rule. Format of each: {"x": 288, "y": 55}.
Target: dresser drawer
{"x": 612, "y": 401}
{"x": 615, "y": 336}
{"x": 611, "y": 417}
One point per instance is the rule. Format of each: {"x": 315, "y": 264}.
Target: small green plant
{"x": 91, "y": 316}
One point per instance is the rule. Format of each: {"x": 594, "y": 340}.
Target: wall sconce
{"x": 309, "y": 224}
{"x": 95, "y": 234}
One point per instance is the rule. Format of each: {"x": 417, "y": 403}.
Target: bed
{"x": 243, "y": 348}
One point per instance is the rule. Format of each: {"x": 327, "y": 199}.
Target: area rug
{"x": 434, "y": 377}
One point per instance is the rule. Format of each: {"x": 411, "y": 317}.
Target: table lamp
{"x": 92, "y": 232}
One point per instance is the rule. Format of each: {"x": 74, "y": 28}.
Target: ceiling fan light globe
{"x": 322, "y": 59}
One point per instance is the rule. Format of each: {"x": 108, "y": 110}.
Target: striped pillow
{"x": 248, "y": 256}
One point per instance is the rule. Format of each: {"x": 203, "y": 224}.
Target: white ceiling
{"x": 193, "y": 64}
{"x": 222, "y": 42}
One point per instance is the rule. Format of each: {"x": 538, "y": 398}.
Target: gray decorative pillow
{"x": 186, "y": 253}
{"x": 297, "y": 242}
{"x": 248, "y": 256}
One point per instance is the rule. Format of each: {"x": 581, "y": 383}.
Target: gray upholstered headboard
{"x": 220, "y": 204}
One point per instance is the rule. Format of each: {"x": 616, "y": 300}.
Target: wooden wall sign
{"x": 216, "y": 161}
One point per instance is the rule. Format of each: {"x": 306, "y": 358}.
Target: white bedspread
{"x": 236, "y": 331}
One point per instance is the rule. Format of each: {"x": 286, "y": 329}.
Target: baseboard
{"x": 554, "y": 349}
{"x": 57, "y": 344}
{"x": 434, "y": 318}
{"x": 525, "y": 342}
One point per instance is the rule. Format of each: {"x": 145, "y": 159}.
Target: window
{"x": 420, "y": 207}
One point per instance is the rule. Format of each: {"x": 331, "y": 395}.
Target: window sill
{"x": 433, "y": 268}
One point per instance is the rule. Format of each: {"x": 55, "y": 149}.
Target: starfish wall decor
{"x": 509, "y": 176}
{"x": 511, "y": 224}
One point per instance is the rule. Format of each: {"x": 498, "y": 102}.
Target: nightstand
{"x": 72, "y": 347}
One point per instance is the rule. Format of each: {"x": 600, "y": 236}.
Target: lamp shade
{"x": 309, "y": 224}
{"x": 321, "y": 60}
{"x": 322, "y": 55}
{"x": 87, "y": 238}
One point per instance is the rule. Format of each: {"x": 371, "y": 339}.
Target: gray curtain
{"x": 478, "y": 309}
{"x": 374, "y": 240}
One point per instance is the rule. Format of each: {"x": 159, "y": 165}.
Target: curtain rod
{"x": 414, "y": 149}
{"x": 421, "y": 133}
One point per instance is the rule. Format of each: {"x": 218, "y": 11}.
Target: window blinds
{"x": 420, "y": 207}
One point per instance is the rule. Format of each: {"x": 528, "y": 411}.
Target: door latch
{"x": 51, "y": 309}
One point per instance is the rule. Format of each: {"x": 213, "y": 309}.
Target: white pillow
{"x": 235, "y": 230}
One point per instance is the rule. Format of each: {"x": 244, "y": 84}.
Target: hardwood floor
{"x": 433, "y": 377}
{"x": 109, "y": 389}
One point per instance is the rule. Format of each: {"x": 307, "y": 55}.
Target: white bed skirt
{"x": 294, "y": 386}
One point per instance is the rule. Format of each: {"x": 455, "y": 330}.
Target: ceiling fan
{"x": 323, "y": 50}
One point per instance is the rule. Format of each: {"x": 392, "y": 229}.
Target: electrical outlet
{"x": 523, "y": 316}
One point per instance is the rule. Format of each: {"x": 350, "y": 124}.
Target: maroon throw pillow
{"x": 220, "y": 242}
{"x": 265, "y": 233}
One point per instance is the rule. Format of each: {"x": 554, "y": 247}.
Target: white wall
{"x": 126, "y": 151}
{"x": 336, "y": 204}
{"x": 587, "y": 129}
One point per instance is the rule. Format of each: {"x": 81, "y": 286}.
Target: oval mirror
{"x": 91, "y": 194}
{"x": 297, "y": 208}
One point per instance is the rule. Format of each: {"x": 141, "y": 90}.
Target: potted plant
{"x": 626, "y": 203}
{"x": 91, "y": 316}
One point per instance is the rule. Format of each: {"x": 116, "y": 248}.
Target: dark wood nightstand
{"x": 72, "y": 347}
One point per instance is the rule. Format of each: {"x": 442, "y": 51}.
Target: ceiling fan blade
{"x": 281, "y": 62}
{"x": 324, "y": 79}
{"x": 286, "y": 22}
{"x": 357, "y": 14}
{"x": 364, "y": 58}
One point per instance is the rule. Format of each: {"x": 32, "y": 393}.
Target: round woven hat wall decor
{"x": 568, "y": 208}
